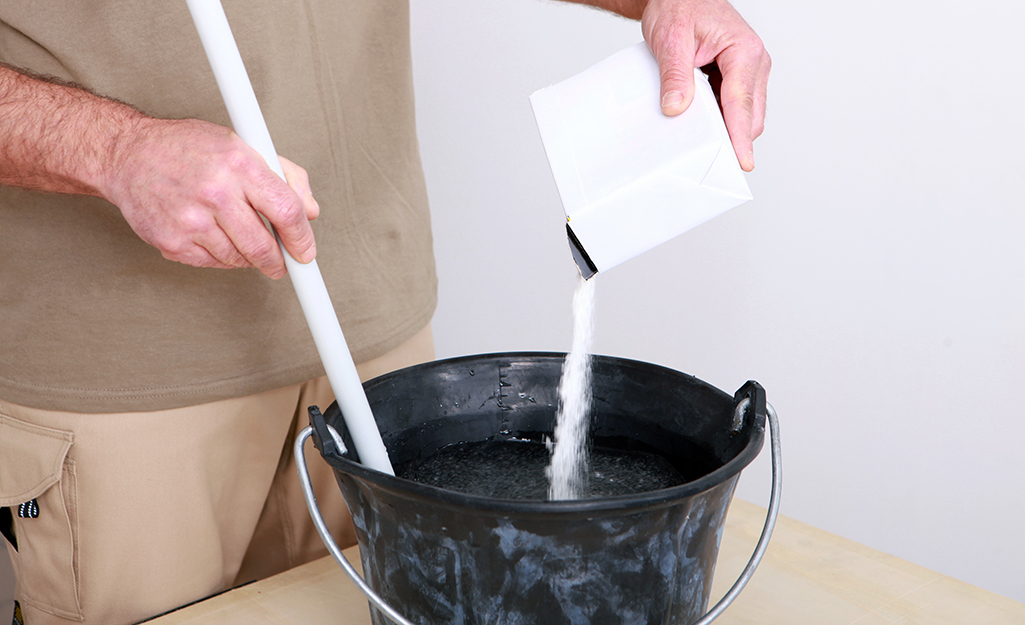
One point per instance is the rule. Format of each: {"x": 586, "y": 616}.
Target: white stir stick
{"x": 246, "y": 117}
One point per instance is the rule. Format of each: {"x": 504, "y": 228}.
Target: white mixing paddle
{"x": 246, "y": 117}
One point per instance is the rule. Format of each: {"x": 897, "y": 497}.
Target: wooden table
{"x": 808, "y": 577}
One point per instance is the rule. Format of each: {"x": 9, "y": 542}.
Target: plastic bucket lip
{"x": 628, "y": 504}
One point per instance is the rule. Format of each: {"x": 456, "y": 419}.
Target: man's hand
{"x": 192, "y": 189}
{"x": 684, "y": 34}
{"x": 195, "y": 191}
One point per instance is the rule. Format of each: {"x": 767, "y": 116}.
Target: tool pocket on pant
{"x": 37, "y": 487}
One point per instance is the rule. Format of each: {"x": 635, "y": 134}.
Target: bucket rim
{"x": 627, "y": 503}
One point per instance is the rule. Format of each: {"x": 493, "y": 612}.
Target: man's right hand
{"x": 195, "y": 191}
{"x": 192, "y": 189}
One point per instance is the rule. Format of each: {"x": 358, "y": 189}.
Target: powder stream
{"x": 567, "y": 473}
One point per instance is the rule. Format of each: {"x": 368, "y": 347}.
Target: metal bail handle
{"x": 325, "y": 533}
{"x": 770, "y": 517}
{"x": 731, "y": 594}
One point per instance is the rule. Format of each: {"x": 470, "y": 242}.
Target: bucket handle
{"x": 711, "y": 615}
{"x": 770, "y": 516}
{"x": 322, "y": 529}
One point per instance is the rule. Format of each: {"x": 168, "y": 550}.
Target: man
{"x": 147, "y": 407}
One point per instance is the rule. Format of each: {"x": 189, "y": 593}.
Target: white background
{"x": 874, "y": 286}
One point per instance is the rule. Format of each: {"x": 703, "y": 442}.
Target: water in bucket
{"x": 516, "y": 469}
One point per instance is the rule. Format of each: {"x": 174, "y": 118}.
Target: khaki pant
{"x": 140, "y": 513}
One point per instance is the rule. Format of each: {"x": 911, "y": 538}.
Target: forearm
{"x": 56, "y": 137}
{"x": 627, "y": 8}
{"x": 190, "y": 188}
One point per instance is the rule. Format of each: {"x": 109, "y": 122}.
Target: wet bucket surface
{"x": 442, "y": 556}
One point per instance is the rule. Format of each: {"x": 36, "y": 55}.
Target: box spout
{"x": 583, "y": 261}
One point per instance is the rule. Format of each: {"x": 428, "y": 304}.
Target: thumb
{"x": 299, "y": 180}
{"x": 673, "y": 48}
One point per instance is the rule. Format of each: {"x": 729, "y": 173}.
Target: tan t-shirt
{"x": 92, "y": 319}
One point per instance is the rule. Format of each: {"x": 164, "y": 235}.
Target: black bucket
{"x": 441, "y": 556}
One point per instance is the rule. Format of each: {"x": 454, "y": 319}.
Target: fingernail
{"x": 308, "y": 256}
{"x": 749, "y": 161}
{"x": 672, "y": 100}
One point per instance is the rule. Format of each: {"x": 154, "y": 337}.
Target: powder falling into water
{"x": 567, "y": 473}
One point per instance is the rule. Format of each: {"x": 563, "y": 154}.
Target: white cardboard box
{"x": 631, "y": 178}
